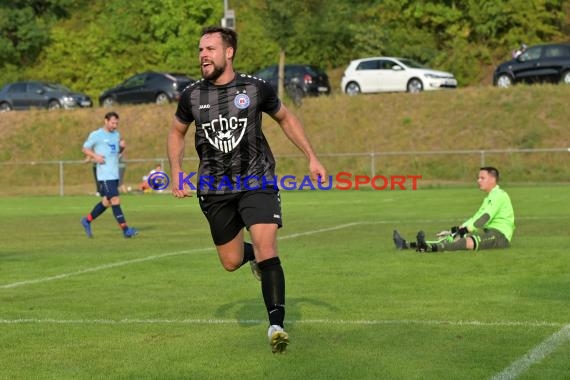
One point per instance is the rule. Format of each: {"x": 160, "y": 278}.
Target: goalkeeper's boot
{"x": 255, "y": 270}
{"x": 87, "y": 226}
{"x": 130, "y": 232}
{"x": 278, "y": 338}
{"x": 421, "y": 245}
{"x": 399, "y": 241}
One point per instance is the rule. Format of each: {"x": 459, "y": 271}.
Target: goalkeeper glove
{"x": 461, "y": 231}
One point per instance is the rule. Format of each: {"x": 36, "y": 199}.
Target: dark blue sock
{"x": 97, "y": 210}
{"x": 119, "y": 216}
{"x": 247, "y": 253}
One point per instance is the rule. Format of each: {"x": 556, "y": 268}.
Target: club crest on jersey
{"x": 241, "y": 101}
{"x": 225, "y": 134}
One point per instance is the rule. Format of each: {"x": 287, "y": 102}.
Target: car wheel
{"x": 352, "y": 89}
{"x": 162, "y": 98}
{"x": 565, "y": 78}
{"x": 504, "y": 81}
{"x": 108, "y": 102}
{"x": 53, "y": 105}
{"x": 415, "y": 85}
{"x": 5, "y": 107}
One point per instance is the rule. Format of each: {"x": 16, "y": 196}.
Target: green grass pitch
{"x": 160, "y": 306}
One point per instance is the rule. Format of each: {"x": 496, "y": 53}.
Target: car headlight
{"x": 67, "y": 99}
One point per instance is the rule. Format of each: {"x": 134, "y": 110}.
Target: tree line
{"x": 93, "y": 45}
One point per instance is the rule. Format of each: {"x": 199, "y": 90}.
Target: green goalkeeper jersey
{"x": 497, "y": 205}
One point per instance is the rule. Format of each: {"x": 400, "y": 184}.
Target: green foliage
{"x": 92, "y": 45}
{"x": 25, "y": 28}
{"x": 116, "y": 39}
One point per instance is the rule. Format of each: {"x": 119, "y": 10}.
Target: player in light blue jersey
{"x": 103, "y": 147}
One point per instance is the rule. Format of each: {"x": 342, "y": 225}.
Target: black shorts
{"x": 109, "y": 189}
{"x": 228, "y": 214}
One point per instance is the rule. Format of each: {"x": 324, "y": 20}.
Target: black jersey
{"x": 234, "y": 154}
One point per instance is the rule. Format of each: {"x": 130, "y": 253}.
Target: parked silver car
{"x": 36, "y": 94}
{"x": 391, "y": 74}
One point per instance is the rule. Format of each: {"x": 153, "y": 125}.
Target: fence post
{"x": 372, "y": 165}
{"x": 61, "y": 178}
{"x": 482, "y": 158}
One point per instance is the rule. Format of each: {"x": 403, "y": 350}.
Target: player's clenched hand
{"x": 318, "y": 171}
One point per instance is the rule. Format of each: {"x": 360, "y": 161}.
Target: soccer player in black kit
{"x": 236, "y": 175}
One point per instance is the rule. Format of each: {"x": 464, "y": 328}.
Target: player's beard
{"x": 215, "y": 74}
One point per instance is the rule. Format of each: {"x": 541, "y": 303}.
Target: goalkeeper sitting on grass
{"x": 491, "y": 227}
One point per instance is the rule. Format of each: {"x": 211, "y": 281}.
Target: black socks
{"x": 273, "y": 289}
{"x": 247, "y": 253}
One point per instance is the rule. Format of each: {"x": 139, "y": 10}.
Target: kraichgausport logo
{"x": 340, "y": 181}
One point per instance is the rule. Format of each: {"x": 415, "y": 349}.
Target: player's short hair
{"x": 229, "y": 36}
{"x": 110, "y": 115}
{"x": 493, "y": 172}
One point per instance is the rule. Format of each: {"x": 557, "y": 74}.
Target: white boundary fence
{"x": 562, "y": 162}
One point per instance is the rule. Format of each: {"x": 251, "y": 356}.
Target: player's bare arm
{"x": 295, "y": 132}
{"x": 175, "y": 149}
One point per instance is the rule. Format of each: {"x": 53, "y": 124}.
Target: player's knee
{"x": 472, "y": 242}
{"x": 231, "y": 265}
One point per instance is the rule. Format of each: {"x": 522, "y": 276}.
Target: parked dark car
{"x": 36, "y": 94}
{"x": 549, "y": 63}
{"x": 147, "y": 87}
{"x": 308, "y": 79}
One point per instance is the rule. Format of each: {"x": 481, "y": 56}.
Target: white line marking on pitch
{"x": 535, "y": 355}
{"x": 526, "y": 324}
{"x": 154, "y": 257}
{"x": 98, "y": 268}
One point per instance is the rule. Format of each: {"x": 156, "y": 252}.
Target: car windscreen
{"x": 315, "y": 71}
{"x": 56, "y": 87}
{"x": 412, "y": 64}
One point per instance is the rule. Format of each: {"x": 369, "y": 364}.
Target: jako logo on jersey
{"x": 204, "y": 106}
{"x": 225, "y": 134}
{"x": 241, "y": 101}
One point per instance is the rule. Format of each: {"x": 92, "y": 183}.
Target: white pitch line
{"x": 535, "y": 355}
{"x": 324, "y": 322}
{"x": 98, "y": 268}
{"x": 154, "y": 257}
{"x": 339, "y": 227}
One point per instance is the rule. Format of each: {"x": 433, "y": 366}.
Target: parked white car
{"x": 390, "y": 74}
